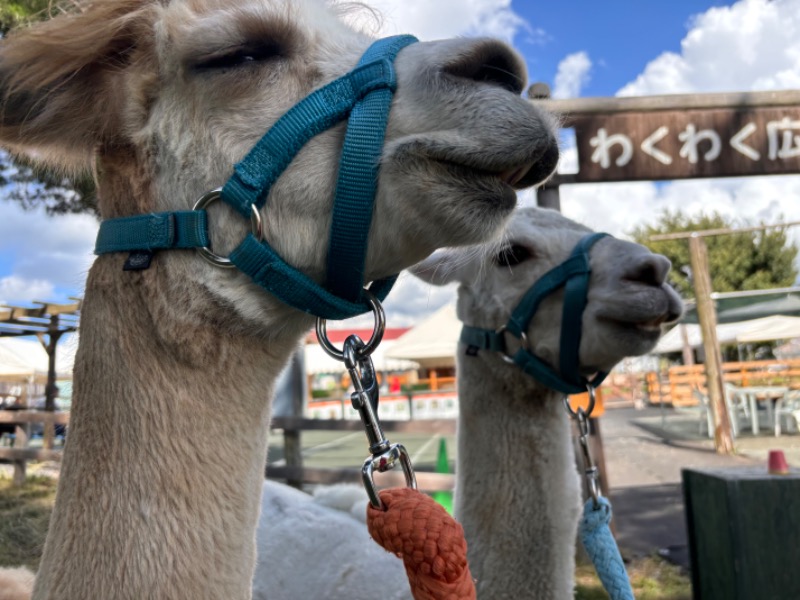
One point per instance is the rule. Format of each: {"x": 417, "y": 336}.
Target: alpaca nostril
{"x": 492, "y": 62}
{"x": 650, "y": 270}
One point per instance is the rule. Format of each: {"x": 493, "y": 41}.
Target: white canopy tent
{"x": 757, "y": 330}
{"x": 433, "y": 342}
{"x": 317, "y": 361}
{"x": 25, "y": 360}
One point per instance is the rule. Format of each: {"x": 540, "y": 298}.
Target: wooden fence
{"x": 675, "y": 385}
{"x": 21, "y": 453}
{"x": 294, "y": 473}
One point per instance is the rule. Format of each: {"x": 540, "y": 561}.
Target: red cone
{"x": 777, "y": 463}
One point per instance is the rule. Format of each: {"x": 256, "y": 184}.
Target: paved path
{"x": 645, "y": 453}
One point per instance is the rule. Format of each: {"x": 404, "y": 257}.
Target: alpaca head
{"x": 628, "y": 296}
{"x": 162, "y": 97}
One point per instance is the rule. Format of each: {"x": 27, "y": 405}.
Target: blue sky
{"x": 581, "y": 48}
{"x": 620, "y": 36}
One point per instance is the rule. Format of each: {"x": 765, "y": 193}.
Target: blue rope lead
{"x": 596, "y": 537}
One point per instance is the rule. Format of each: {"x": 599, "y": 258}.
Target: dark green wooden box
{"x": 744, "y": 533}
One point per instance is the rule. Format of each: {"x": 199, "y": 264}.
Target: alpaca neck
{"x": 161, "y": 477}
{"x": 517, "y": 492}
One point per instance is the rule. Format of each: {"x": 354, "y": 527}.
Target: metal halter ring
{"x": 523, "y": 341}
{"x": 588, "y": 411}
{"x": 255, "y": 225}
{"x": 377, "y": 333}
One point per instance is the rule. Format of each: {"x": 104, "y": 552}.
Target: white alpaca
{"x": 161, "y": 479}
{"x": 517, "y": 491}
{"x": 15, "y": 584}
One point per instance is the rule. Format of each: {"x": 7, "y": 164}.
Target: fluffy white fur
{"x": 15, "y": 583}
{"x": 517, "y": 491}
{"x": 161, "y": 479}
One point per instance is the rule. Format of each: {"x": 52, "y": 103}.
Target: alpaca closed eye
{"x": 512, "y": 255}
{"x": 241, "y": 56}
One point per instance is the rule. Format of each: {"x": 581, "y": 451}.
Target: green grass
{"x": 652, "y": 578}
{"x": 24, "y": 517}
{"x": 25, "y": 514}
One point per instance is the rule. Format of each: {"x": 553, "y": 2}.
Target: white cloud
{"x": 410, "y": 300}
{"x": 14, "y": 289}
{"x": 572, "y": 75}
{"x": 448, "y": 18}
{"x": 56, "y": 251}
{"x": 750, "y": 45}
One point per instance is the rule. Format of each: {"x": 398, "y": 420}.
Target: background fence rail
{"x": 20, "y": 453}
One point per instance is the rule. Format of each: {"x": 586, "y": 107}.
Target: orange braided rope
{"x": 430, "y": 542}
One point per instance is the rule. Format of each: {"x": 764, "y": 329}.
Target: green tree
{"x": 31, "y": 186}
{"x": 14, "y": 13}
{"x": 737, "y": 261}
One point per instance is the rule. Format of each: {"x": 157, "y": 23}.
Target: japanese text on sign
{"x": 675, "y": 145}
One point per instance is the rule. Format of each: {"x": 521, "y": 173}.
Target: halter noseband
{"x": 574, "y": 275}
{"x": 363, "y": 96}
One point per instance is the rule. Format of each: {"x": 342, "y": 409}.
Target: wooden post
{"x": 51, "y": 389}
{"x": 20, "y": 441}
{"x": 688, "y": 351}
{"x": 707, "y": 316}
{"x": 547, "y": 196}
{"x": 292, "y": 438}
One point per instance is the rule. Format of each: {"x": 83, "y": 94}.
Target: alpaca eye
{"x": 241, "y": 55}
{"x": 512, "y": 255}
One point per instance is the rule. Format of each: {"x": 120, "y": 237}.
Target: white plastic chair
{"x": 704, "y": 412}
{"x": 738, "y": 407}
{"x": 788, "y": 408}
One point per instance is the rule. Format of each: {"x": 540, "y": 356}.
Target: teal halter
{"x": 363, "y": 97}
{"x": 573, "y": 274}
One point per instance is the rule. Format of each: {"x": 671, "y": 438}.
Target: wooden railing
{"x": 436, "y": 383}
{"x": 675, "y": 385}
{"x": 294, "y": 473}
{"x": 21, "y": 453}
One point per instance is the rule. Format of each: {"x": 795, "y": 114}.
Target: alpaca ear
{"x": 442, "y": 267}
{"x": 58, "y": 126}
{"x": 61, "y": 86}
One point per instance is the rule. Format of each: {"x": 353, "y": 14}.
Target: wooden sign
{"x": 676, "y": 144}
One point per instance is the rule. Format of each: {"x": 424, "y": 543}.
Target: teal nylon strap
{"x": 573, "y": 274}
{"x": 157, "y": 231}
{"x": 292, "y": 287}
{"x": 257, "y": 172}
{"x": 358, "y": 179}
{"x": 374, "y": 81}
{"x": 601, "y": 547}
{"x": 485, "y": 339}
{"x": 576, "y": 292}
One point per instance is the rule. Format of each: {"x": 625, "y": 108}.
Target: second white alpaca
{"x": 517, "y": 490}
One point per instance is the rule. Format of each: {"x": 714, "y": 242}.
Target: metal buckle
{"x": 256, "y": 227}
{"x": 590, "y": 470}
{"x": 374, "y": 340}
{"x": 589, "y": 409}
{"x": 386, "y": 461}
{"x": 523, "y": 341}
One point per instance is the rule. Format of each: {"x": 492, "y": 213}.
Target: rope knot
{"x": 428, "y": 540}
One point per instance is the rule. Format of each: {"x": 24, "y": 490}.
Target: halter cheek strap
{"x": 364, "y": 97}
{"x": 573, "y": 274}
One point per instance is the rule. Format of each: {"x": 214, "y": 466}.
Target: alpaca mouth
{"x": 533, "y": 172}
{"x": 514, "y": 175}
{"x": 652, "y": 324}
{"x": 648, "y": 327}
{"x": 518, "y": 172}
